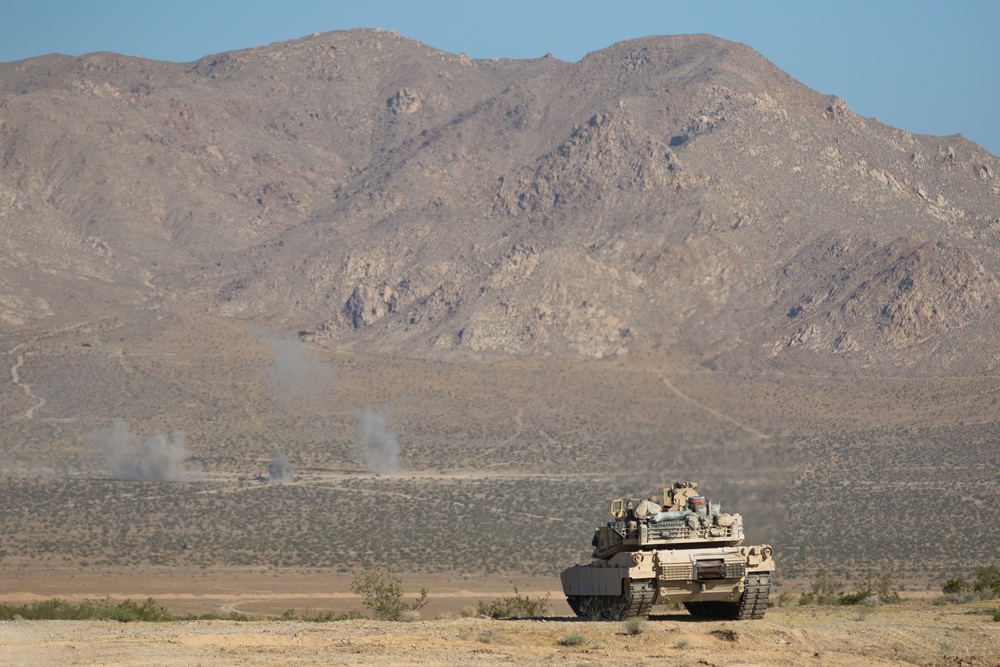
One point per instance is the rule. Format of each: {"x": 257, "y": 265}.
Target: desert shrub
{"x": 635, "y": 626}
{"x": 239, "y": 616}
{"x": 955, "y": 586}
{"x": 987, "y": 582}
{"x": 786, "y": 598}
{"x": 880, "y": 588}
{"x": 381, "y": 591}
{"x": 857, "y": 597}
{"x": 57, "y": 609}
{"x": 573, "y": 640}
{"x": 129, "y": 611}
{"x": 53, "y": 609}
{"x": 824, "y": 590}
{"x": 514, "y": 606}
{"x": 986, "y": 586}
{"x": 594, "y": 609}
{"x": 959, "y": 598}
{"x": 210, "y": 616}
{"x": 309, "y": 616}
{"x": 60, "y": 610}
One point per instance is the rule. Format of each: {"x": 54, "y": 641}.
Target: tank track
{"x": 753, "y": 603}
{"x": 634, "y": 603}
{"x": 750, "y": 607}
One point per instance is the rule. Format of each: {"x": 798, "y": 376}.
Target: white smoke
{"x": 295, "y": 376}
{"x": 378, "y": 447}
{"x": 279, "y": 469}
{"x": 157, "y": 458}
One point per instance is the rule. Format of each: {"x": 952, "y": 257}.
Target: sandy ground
{"x": 915, "y": 633}
{"x": 262, "y": 591}
{"x": 911, "y": 634}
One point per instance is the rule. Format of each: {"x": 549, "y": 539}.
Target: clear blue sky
{"x": 928, "y": 66}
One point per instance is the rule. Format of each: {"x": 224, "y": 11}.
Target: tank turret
{"x": 677, "y": 546}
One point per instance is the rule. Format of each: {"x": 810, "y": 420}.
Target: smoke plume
{"x": 379, "y": 447}
{"x": 279, "y": 469}
{"x": 157, "y": 458}
{"x": 295, "y": 376}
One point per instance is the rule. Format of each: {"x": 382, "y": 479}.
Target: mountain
{"x": 679, "y": 196}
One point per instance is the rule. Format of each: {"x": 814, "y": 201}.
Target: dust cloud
{"x": 379, "y": 447}
{"x": 295, "y": 376}
{"x": 279, "y": 469}
{"x": 157, "y": 458}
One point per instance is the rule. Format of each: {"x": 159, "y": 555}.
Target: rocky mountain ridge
{"x": 668, "y": 195}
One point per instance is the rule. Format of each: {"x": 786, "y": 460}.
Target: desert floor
{"x": 914, "y": 633}
{"x": 261, "y": 591}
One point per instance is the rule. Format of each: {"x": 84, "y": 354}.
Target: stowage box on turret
{"x": 681, "y": 548}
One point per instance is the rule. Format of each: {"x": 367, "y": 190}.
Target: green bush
{"x": 955, "y": 586}
{"x": 319, "y": 616}
{"x": 381, "y": 591}
{"x": 881, "y": 588}
{"x": 986, "y": 586}
{"x": 786, "y": 598}
{"x": 987, "y": 581}
{"x": 852, "y": 598}
{"x": 129, "y": 611}
{"x": 60, "y": 610}
{"x": 231, "y": 616}
{"x": 514, "y": 606}
{"x": 573, "y": 640}
{"x": 54, "y": 609}
{"x": 826, "y": 590}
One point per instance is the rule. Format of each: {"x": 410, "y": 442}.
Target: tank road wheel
{"x": 635, "y": 601}
{"x": 751, "y": 605}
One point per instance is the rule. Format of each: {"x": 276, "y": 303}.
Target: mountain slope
{"x": 674, "y": 195}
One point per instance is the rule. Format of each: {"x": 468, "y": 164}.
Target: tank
{"x": 678, "y": 548}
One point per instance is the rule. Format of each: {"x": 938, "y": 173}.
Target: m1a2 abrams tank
{"x": 681, "y": 548}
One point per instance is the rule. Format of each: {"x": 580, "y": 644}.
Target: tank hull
{"x": 721, "y": 582}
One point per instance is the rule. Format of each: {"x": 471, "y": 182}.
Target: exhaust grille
{"x": 717, "y": 568}
{"x": 677, "y": 572}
